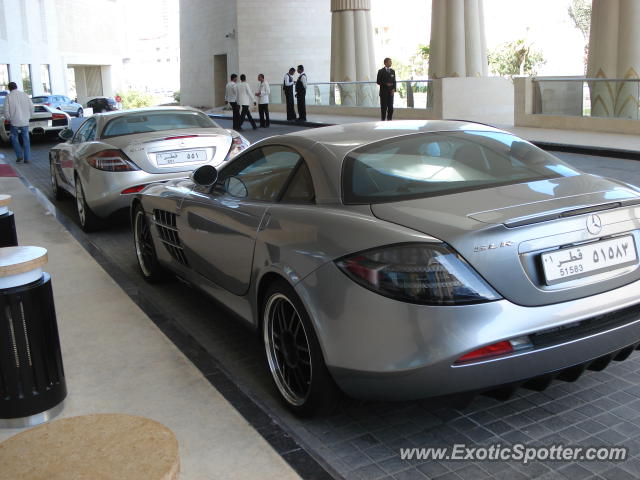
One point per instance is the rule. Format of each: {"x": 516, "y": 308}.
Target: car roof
{"x": 325, "y": 148}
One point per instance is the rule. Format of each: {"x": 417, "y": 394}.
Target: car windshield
{"x": 143, "y": 122}
{"x": 441, "y": 163}
{"x": 39, "y": 99}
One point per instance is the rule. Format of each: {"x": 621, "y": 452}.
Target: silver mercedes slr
{"x": 115, "y": 155}
{"x": 406, "y": 259}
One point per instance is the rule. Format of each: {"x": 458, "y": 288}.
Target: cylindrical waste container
{"x": 32, "y": 382}
{"x": 8, "y": 236}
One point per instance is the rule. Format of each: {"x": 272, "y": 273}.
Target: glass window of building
{"x": 4, "y": 77}
{"x": 45, "y": 78}
{"x": 26, "y": 79}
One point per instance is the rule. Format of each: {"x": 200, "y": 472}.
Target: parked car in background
{"x": 102, "y": 104}
{"x": 406, "y": 259}
{"x": 45, "y": 120}
{"x": 60, "y": 102}
{"x": 116, "y": 154}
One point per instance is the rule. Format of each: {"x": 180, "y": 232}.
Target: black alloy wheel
{"x": 145, "y": 249}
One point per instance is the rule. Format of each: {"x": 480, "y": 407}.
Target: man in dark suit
{"x": 287, "y": 86}
{"x": 387, "y": 81}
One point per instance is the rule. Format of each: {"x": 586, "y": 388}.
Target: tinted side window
{"x": 266, "y": 172}
{"x": 300, "y": 190}
{"x": 86, "y": 132}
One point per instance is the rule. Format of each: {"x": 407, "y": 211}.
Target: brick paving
{"x": 362, "y": 439}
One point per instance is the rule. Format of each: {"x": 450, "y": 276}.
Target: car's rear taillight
{"x": 48, "y": 104}
{"x": 111, "y": 160}
{"x": 496, "y": 349}
{"x": 430, "y": 274}
{"x": 58, "y": 116}
{"x": 238, "y": 144}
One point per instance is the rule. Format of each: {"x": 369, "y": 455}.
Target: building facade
{"x": 64, "y": 47}
{"x": 221, "y": 37}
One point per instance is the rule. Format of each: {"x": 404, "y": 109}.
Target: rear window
{"x": 155, "y": 122}
{"x": 442, "y": 163}
{"x": 39, "y": 99}
{"x": 39, "y": 109}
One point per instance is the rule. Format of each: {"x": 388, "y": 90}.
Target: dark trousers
{"x": 302, "y": 106}
{"x": 263, "y": 111}
{"x": 235, "y": 108}
{"x": 246, "y": 113}
{"x": 386, "y": 105}
{"x": 291, "y": 111}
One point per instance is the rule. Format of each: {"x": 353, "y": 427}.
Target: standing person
{"x": 287, "y": 86}
{"x": 301, "y": 92}
{"x": 245, "y": 98}
{"x": 17, "y": 111}
{"x": 387, "y": 81}
{"x": 263, "y": 100}
{"x": 231, "y": 97}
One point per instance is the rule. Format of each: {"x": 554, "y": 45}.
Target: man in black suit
{"x": 287, "y": 86}
{"x": 387, "y": 81}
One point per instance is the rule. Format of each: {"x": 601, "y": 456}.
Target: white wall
{"x": 34, "y": 43}
{"x": 276, "y": 35}
{"x": 203, "y": 26}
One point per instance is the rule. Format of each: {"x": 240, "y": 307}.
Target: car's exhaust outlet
{"x": 37, "y": 131}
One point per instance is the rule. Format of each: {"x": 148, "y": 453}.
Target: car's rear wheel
{"x": 294, "y": 355}
{"x": 57, "y": 192}
{"x": 88, "y": 220}
{"x": 80, "y": 113}
{"x": 150, "y": 268}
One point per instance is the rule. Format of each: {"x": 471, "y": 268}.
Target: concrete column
{"x": 458, "y": 44}
{"x": 352, "y": 54}
{"x": 614, "y": 52}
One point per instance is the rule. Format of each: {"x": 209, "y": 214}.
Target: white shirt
{"x": 245, "y": 95}
{"x": 303, "y": 78}
{"x": 231, "y": 92}
{"x": 18, "y": 108}
{"x": 288, "y": 80}
{"x": 264, "y": 91}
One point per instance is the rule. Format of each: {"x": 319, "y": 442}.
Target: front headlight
{"x": 430, "y": 274}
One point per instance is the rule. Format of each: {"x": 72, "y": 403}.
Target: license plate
{"x": 165, "y": 159}
{"x": 590, "y": 259}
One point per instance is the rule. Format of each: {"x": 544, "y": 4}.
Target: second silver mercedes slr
{"x": 399, "y": 260}
{"x": 115, "y": 155}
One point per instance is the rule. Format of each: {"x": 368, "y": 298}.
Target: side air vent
{"x": 166, "y": 225}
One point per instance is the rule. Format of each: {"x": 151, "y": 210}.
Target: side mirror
{"x": 205, "y": 176}
{"x": 66, "y": 134}
{"x": 236, "y": 187}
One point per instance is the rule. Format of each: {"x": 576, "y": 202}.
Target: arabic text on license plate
{"x": 585, "y": 260}
{"x": 184, "y": 156}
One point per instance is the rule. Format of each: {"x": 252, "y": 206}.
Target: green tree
{"x": 420, "y": 60}
{"x": 136, "y": 99}
{"x": 580, "y": 12}
{"x": 515, "y": 58}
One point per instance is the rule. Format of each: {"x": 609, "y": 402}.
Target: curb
{"x": 554, "y": 147}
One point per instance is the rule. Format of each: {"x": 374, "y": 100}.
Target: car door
{"x": 72, "y": 150}
{"x": 64, "y": 104}
{"x": 219, "y": 227}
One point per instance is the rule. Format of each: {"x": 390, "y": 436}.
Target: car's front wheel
{"x": 294, "y": 355}
{"x": 88, "y": 220}
{"x": 150, "y": 268}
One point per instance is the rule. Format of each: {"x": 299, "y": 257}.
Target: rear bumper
{"x": 379, "y": 348}
{"x": 103, "y": 189}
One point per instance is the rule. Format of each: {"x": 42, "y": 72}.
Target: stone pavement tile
{"x": 380, "y": 453}
{"x": 448, "y": 476}
{"x": 605, "y": 403}
{"x": 357, "y": 460}
{"x": 533, "y": 469}
{"x": 591, "y": 426}
{"x": 574, "y": 434}
{"x": 500, "y": 427}
{"x": 480, "y": 435}
{"x": 618, "y": 473}
{"x": 432, "y": 469}
{"x": 625, "y": 413}
{"x": 608, "y": 419}
{"x": 411, "y": 474}
{"x": 516, "y": 436}
{"x": 472, "y": 472}
{"x": 589, "y": 410}
{"x": 622, "y": 397}
{"x": 573, "y": 471}
{"x": 508, "y": 473}
{"x": 537, "y": 431}
{"x": 368, "y": 472}
{"x": 342, "y": 449}
{"x": 365, "y": 441}
{"x": 610, "y": 437}
{"x": 395, "y": 464}
{"x": 482, "y": 417}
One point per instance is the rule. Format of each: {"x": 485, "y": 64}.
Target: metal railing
{"x": 409, "y": 94}
{"x": 587, "y": 97}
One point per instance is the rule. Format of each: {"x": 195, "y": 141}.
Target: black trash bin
{"x": 32, "y": 382}
{"x": 8, "y": 236}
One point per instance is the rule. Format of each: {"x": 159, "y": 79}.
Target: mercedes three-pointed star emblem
{"x": 594, "y": 224}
